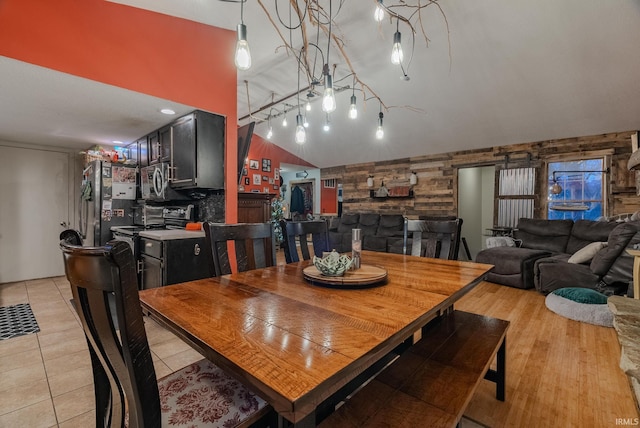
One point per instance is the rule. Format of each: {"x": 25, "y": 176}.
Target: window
{"x": 578, "y": 190}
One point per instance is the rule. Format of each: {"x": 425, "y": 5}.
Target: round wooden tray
{"x": 365, "y": 277}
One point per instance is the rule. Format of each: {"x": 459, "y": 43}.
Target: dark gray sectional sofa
{"x": 542, "y": 260}
{"x": 380, "y": 232}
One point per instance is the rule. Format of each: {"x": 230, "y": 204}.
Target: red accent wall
{"x": 264, "y": 149}
{"x": 147, "y": 52}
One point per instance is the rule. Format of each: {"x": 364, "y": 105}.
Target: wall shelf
{"x": 372, "y": 195}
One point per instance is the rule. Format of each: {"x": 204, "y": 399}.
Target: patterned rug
{"x": 17, "y": 320}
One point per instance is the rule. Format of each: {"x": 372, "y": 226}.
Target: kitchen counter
{"x": 169, "y": 234}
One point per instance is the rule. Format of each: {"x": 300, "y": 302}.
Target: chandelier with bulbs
{"x": 320, "y": 15}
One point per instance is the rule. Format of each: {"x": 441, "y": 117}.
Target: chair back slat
{"x": 124, "y": 376}
{"x": 440, "y": 238}
{"x": 253, "y": 242}
{"x": 301, "y": 229}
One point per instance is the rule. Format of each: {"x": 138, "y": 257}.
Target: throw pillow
{"x": 585, "y": 254}
{"x": 582, "y": 295}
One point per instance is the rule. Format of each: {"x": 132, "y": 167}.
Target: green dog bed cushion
{"x": 580, "y": 304}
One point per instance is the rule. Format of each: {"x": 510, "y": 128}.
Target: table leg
{"x": 636, "y": 277}
{"x": 307, "y": 422}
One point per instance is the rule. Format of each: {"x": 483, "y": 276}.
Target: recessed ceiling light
{"x": 117, "y": 143}
{"x": 167, "y": 111}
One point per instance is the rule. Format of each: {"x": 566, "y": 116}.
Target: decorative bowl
{"x": 333, "y": 264}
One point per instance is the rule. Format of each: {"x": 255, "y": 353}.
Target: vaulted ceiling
{"x": 493, "y": 73}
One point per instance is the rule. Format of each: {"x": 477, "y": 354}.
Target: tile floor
{"x": 45, "y": 378}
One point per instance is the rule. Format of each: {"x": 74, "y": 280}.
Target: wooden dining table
{"x": 296, "y": 343}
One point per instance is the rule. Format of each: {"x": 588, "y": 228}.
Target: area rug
{"x": 17, "y": 320}
{"x": 598, "y": 314}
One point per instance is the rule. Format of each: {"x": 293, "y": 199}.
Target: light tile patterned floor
{"x": 45, "y": 377}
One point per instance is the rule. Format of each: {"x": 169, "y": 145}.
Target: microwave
{"x": 154, "y": 182}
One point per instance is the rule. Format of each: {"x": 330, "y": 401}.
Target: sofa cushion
{"x": 368, "y": 223}
{"x": 508, "y": 260}
{"x": 618, "y": 240}
{"x": 374, "y": 243}
{"x": 585, "y": 254}
{"x": 549, "y": 235}
{"x": 348, "y": 222}
{"x": 391, "y": 225}
{"x": 585, "y": 232}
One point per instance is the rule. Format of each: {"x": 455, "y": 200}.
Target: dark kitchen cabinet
{"x": 143, "y": 152}
{"x": 154, "y": 147}
{"x": 171, "y": 261}
{"x": 160, "y": 145}
{"x": 197, "y": 151}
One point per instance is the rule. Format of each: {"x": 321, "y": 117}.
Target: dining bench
{"x": 432, "y": 382}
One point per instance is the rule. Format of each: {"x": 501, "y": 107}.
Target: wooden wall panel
{"x": 436, "y": 191}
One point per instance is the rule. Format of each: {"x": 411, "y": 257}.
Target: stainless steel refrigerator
{"x": 107, "y": 199}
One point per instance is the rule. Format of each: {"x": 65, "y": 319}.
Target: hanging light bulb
{"x": 396, "y": 51}
{"x": 353, "y": 111}
{"x": 270, "y": 132}
{"x": 380, "y": 129}
{"x": 378, "y": 15}
{"x": 306, "y": 122}
{"x": 326, "y": 126}
{"x": 243, "y": 55}
{"x": 284, "y": 121}
{"x": 328, "y": 99}
{"x": 301, "y": 134}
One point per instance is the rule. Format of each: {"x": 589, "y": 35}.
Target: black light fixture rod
{"x": 604, "y": 171}
{"x": 276, "y": 102}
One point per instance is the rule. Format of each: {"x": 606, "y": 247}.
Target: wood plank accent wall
{"x": 436, "y": 191}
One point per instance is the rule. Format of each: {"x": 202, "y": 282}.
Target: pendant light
{"x": 270, "y": 131}
{"x": 307, "y": 107}
{"x": 380, "y": 129}
{"x": 301, "y": 134}
{"x": 327, "y": 126}
{"x": 353, "y": 110}
{"x": 396, "y": 51}
{"x": 378, "y": 15}
{"x": 243, "y": 54}
{"x": 306, "y": 122}
{"x": 284, "y": 120}
{"x": 328, "y": 99}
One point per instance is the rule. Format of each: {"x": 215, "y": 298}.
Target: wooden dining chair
{"x": 432, "y": 238}
{"x": 126, "y": 390}
{"x": 254, "y": 246}
{"x": 301, "y": 230}
{"x": 71, "y": 236}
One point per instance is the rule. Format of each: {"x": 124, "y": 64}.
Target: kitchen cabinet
{"x": 197, "y": 151}
{"x": 160, "y": 145}
{"x": 170, "y": 261}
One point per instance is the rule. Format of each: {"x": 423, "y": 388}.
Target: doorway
{"x": 476, "y": 188}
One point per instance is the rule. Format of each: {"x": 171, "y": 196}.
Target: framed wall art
{"x": 276, "y": 174}
{"x": 266, "y": 165}
{"x": 253, "y": 164}
{"x": 247, "y": 181}
{"x": 257, "y": 179}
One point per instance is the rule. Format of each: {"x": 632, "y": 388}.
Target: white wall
{"x": 475, "y": 205}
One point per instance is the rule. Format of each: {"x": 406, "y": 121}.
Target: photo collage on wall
{"x": 260, "y": 177}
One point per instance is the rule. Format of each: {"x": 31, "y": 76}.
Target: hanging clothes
{"x": 297, "y": 200}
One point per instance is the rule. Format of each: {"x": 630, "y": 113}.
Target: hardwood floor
{"x": 560, "y": 373}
